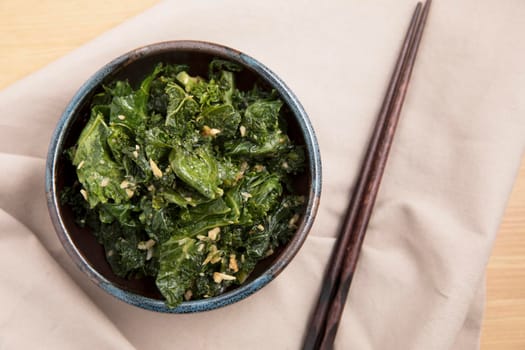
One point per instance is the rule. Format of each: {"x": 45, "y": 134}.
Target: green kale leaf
{"x": 186, "y": 179}
{"x": 180, "y": 262}
{"x": 198, "y": 169}
{"x": 99, "y": 174}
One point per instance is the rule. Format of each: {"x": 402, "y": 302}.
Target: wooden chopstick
{"x": 338, "y": 277}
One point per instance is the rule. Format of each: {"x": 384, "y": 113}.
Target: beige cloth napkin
{"x": 419, "y": 283}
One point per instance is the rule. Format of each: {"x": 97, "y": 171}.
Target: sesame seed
{"x": 84, "y": 194}
{"x": 121, "y": 117}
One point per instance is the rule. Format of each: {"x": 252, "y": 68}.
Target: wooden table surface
{"x": 36, "y": 32}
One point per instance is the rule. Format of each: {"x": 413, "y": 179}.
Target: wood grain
{"x": 504, "y": 323}
{"x": 33, "y": 33}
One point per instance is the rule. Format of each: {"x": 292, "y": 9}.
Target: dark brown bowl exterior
{"x": 82, "y": 246}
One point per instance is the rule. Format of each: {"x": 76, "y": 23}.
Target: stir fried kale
{"x": 186, "y": 179}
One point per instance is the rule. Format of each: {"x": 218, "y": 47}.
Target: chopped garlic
{"x": 212, "y": 234}
{"x": 104, "y": 182}
{"x": 212, "y": 255}
{"x": 258, "y": 168}
{"x": 240, "y": 174}
{"x": 129, "y": 192}
{"x": 260, "y": 227}
{"x": 233, "y": 263}
{"x": 216, "y": 259}
{"x": 293, "y": 221}
{"x": 207, "y": 131}
{"x": 146, "y": 245}
{"x": 218, "y": 277}
{"x": 121, "y": 117}
{"x": 242, "y": 130}
{"x": 246, "y": 195}
{"x": 84, "y": 194}
{"x": 149, "y": 254}
{"x": 156, "y": 171}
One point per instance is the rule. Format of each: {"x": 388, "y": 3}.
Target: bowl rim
{"x": 242, "y": 291}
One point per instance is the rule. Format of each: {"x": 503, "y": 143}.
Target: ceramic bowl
{"x": 82, "y": 246}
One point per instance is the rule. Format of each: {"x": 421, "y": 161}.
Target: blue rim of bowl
{"x": 241, "y": 292}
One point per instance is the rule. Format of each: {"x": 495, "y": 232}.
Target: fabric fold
{"x": 41, "y": 307}
{"x": 419, "y": 282}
